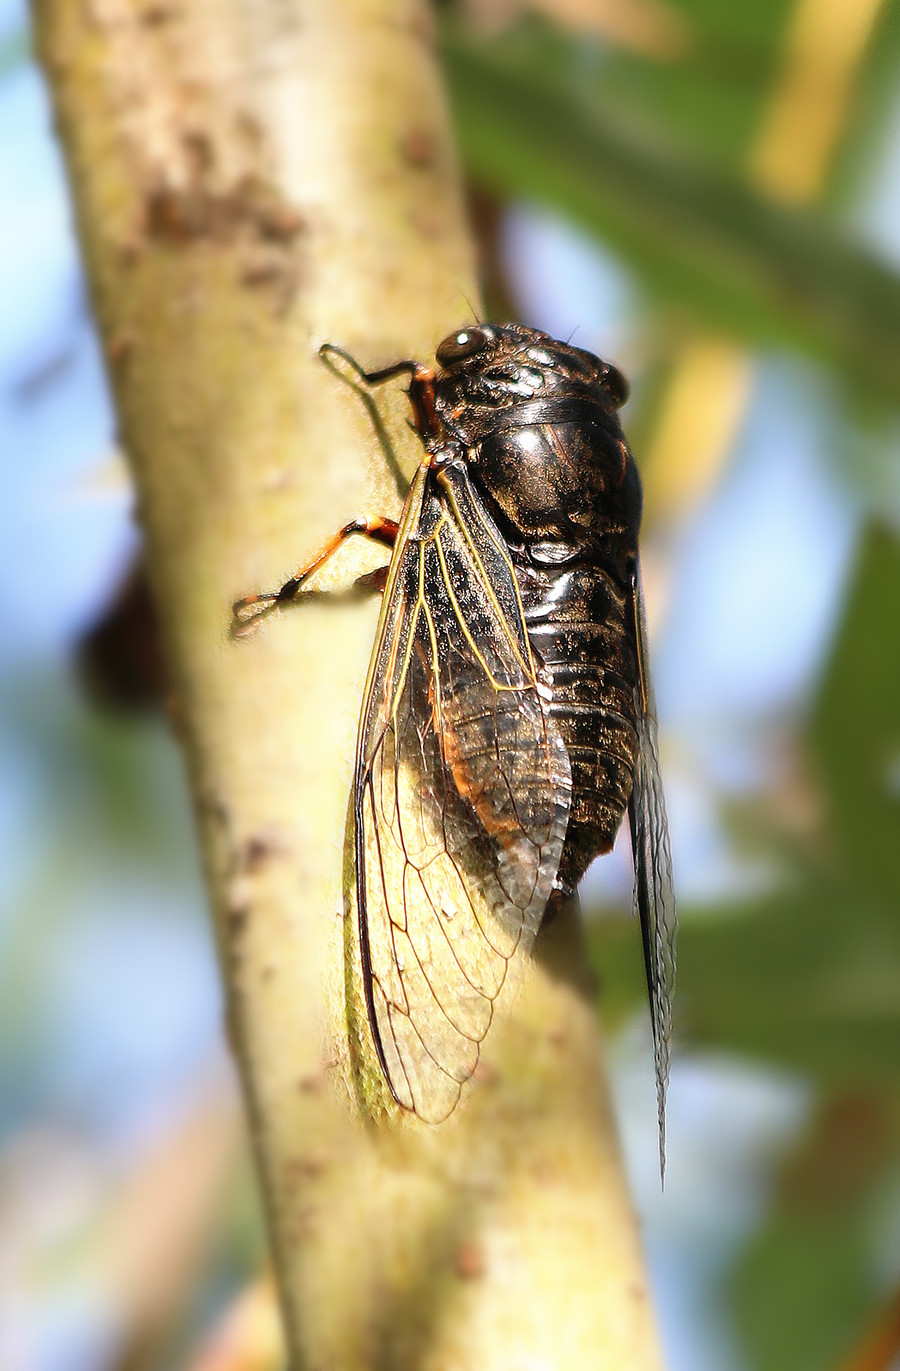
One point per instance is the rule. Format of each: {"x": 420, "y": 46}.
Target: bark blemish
{"x": 252, "y": 209}
{"x": 418, "y": 148}
{"x": 236, "y": 918}
{"x": 422, "y": 26}
{"x": 298, "y": 1169}
{"x": 249, "y": 217}
{"x": 470, "y": 1261}
{"x": 120, "y": 346}
{"x": 485, "y": 1074}
{"x": 154, "y": 16}
{"x": 427, "y": 225}
{"x": 255, "y": 852}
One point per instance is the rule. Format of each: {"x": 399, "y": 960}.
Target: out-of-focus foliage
{"x": 541, "y": 118}
{"x": 807, "y": 976}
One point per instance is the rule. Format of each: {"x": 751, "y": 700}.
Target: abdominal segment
{"x": 580, "y": 630}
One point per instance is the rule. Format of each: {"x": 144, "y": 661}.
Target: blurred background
{"x": 709, "y": 195}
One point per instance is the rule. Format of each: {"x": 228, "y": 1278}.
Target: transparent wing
{"x": 654, "y": 896}
{"x": 462, "y": 796}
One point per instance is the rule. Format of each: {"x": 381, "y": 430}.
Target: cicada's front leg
{"x": 379, "y": 529}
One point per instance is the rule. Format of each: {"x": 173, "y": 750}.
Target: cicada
{"x": 507, "y": 723}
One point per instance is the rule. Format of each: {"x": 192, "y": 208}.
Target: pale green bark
{"x": 253, "y": 177}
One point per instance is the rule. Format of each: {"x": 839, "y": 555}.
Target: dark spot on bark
{"x": 278, "y": 220}
{"x": 236, "y": 918}
{"x": 171, "y": 215}
{"x": 485, "y": 1074}
{"x": 251, "y": 210}
{"x": 302, "y": 1168}
{"x": 425, "y": 223}
{"x": 121, "y": 345}
{"x": 263, "y": 269}
{"x": 154, "y": 16}
{"x": 250, "y": 217}
{"x": 254, "y": 852}
{"x": 470, "y": 1261}
{"x": 212, "y": 806}
{"x": 422, "y": 25}
{"x": 419, "y": 148}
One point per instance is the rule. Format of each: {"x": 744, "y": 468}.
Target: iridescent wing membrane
{"x": 654, "y": 896}
{"x": 462, "y": 794}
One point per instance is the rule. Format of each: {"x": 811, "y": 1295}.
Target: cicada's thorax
{"x": 558, "y": 478}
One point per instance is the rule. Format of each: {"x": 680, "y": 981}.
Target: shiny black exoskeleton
{"x": 538, "y": 422}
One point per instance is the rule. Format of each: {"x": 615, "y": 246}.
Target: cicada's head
{"x": 503, "y": 364}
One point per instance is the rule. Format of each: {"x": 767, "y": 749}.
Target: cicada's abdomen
{"x": 579, "y": 628}
{"x": 568, "y": 501}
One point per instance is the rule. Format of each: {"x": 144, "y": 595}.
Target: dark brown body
{"x": 553, "y": 470}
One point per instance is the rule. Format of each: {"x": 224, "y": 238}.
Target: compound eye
{"x": 460, "y": 347}
{"x": 617, "y": 386}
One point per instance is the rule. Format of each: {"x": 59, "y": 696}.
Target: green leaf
{"x": 854, "y": 734}
{"x": 809, "y": 983}
{"x": 712, "y": 97}
{"x": 801, "y": 1291}
{"x": 534, "y": 122}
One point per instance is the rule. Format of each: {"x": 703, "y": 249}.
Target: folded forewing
{"x": 462, "y": 796}
{"x": 654, "y": 896}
